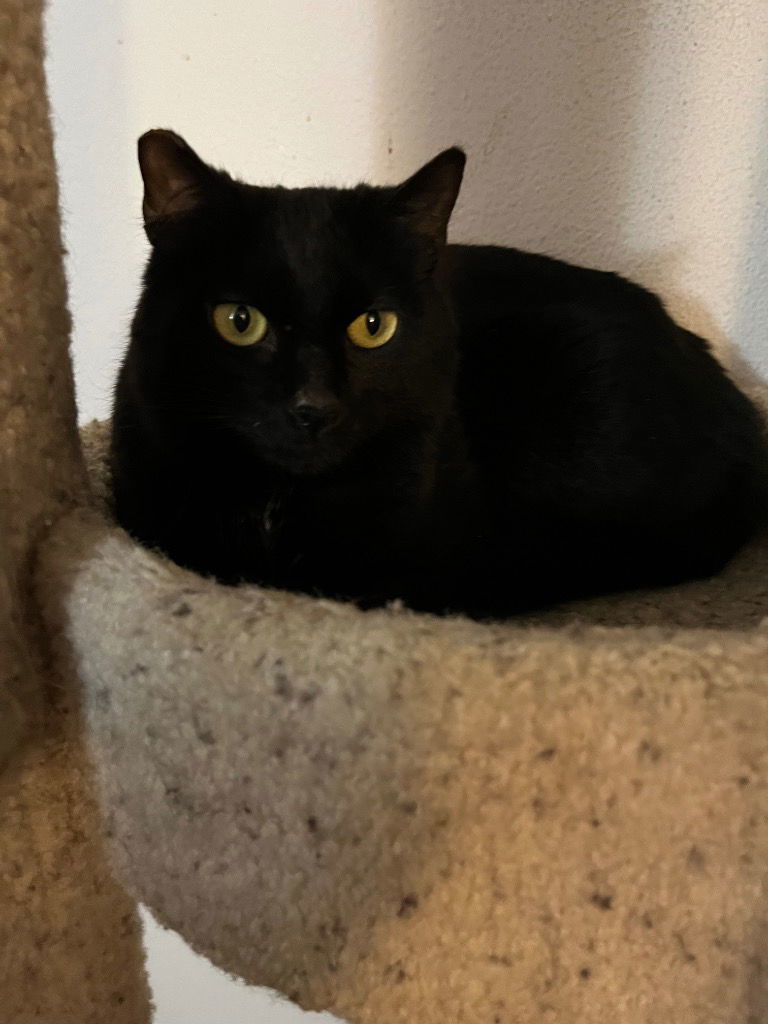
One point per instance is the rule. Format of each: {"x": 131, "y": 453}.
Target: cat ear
{"x": 175, "y": 178}
{"x": 427, "y": 198}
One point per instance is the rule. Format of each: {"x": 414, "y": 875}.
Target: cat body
{"x": 530, "y": 432}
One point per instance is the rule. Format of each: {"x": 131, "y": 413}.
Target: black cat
{"x": 320, "y": 394}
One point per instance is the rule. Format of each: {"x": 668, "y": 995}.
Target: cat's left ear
{"x": 175, "y": 178}
{"x": 427, "y": 198}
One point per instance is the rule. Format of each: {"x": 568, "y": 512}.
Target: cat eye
{"x": 239, "y": 324}
{"x": 373, "y": 328}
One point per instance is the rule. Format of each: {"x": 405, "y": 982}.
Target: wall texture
{"x": 627, "y": 136}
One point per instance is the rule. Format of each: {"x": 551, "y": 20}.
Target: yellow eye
{"x": 239, "y": 324}
{"x": 372, "y": 329}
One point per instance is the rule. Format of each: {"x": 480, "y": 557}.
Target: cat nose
{"x": 314, "y": 411}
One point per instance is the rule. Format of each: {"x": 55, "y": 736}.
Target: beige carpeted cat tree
{"x": 396, "y": 818}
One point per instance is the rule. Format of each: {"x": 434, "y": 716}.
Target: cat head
{"x": 307, "y": 324}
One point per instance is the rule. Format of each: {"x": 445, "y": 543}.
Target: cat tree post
{"x": 70, "y": 948}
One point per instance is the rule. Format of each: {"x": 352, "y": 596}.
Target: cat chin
{"x": 310, "y": 462}
{"x": 296, "y": 459}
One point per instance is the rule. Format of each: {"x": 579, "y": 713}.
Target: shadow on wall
{"x": 624, "y": 136}
{"x": 541, "y": 94}
{"x": 751, "y": 328}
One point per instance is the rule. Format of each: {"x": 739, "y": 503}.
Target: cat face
{"x": 307, "y": 325}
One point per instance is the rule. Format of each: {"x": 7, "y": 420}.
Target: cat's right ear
{"x": 175, "y": 178}
{"x": 427, "y": 198}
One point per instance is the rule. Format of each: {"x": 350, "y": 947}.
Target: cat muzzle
{"x": 314, "y": 413}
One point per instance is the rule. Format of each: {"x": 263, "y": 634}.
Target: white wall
{"x": 626, "y": 135}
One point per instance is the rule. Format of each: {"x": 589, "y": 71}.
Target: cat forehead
{"x": 300, "y": 252}
{"x": 308, "y": 226}
{"x": 316, "y": 234}
{"x": 314, "y": 214}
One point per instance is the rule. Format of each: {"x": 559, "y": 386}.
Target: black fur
{"x": 533, "y": 432}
